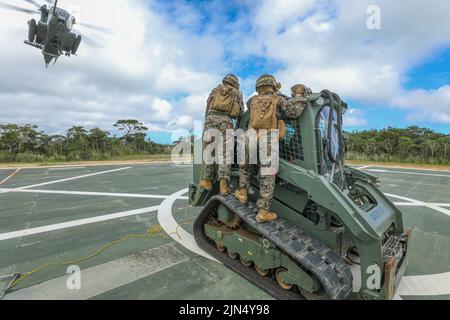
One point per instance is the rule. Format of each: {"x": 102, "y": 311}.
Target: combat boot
{"x": 206, "y": 184}
{"x": 266, "y": 216}
{"x": 224, "y": 188}
{"x": 242, "y": 195}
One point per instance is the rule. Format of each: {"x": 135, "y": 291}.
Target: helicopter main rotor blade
{"x": 34, "y": 2}
{"x": 16, "y": 8}
{"x": 96, "y": 28}
{"x": 90, "y": 43}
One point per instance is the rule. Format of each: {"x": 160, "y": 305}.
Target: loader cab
{"x": 315, "y": 140}
{"x": 330, "y": 141}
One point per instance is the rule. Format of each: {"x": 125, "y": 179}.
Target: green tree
{"x": 129, "y": 127}
{"x": 98, "y": 139}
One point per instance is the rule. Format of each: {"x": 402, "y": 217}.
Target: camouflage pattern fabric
{"x": 285, "y": 110}
{"x": 221, "y": 122}
{"x": 267, "y": 181}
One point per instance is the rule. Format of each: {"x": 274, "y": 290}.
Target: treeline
{"x": 410, "y": 145}
{"x": 28, "y": 144}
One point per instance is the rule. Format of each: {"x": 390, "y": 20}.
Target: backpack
{"x": 224, "y": 100}
{"x": 263, "y": 112}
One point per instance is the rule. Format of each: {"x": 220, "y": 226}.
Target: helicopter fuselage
{"x": 53, "y": 33}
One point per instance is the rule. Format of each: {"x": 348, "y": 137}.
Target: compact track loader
{"x": 337, "y": 236}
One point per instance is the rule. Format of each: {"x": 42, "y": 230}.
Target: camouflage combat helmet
{"x": 298, "y": 89}
{"x": 266, "y": 80}
{"x": 301, "y": 89}
{"x": 231, "y": 80}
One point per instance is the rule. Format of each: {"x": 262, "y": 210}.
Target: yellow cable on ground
{"x": 152, "y": 231}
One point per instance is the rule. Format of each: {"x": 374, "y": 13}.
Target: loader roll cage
{"x": 330, "y": 139}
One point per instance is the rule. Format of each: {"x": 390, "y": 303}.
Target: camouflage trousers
{"x": 222, "y": 124}
{"x": 267, "y": 174}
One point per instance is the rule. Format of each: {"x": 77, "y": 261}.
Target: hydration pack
{"x": 225, "y": 100}
{"x": 263, "y": 112}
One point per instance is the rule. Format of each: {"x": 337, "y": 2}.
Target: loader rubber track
{"x": 313, "y": 255}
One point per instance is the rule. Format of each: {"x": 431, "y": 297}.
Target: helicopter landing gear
{"x": 32, "y": 29}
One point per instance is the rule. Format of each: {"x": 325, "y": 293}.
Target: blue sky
{"x": 433, "y": 73}
{"x": 166, "y": 56}
{"x": 429, "y": 72}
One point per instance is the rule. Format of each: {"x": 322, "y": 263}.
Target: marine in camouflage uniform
{"x": 286, "y": 109}
{"x": 220, "y": 121}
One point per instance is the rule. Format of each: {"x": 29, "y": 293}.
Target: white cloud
{"x": 161, "y": 110}
{"x": 326, "y": 44}
{"x": 426, "y": 105}
{"x": 193, "y": 105}
{"x": 355, "y": 118}
{"x": 184, "y": 121}
{"x": 160, "y": 68}
{"x": 433, "y": 116}
{"x": 432, "y": 99}
{"x": 144, "y": 66}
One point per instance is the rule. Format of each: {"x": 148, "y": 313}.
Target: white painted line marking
{"x": 83, "y": 193}
{"x": 426, "y": 285}
{"x": 75, "y": 223}
{"x": 433, "y": 284}
{"x": 68, "y": 166}
{"x": 105, "y": 277}
{"x": 69, "y": 179}
{"x": 65, "y": 168}
{"x": 10, "y": 176}
{"x": 405, "y": 198}
{"x": 47, "y": 167}
{"x": 172, "y": 228}
{"x": 414, "y": 204}
{"x": 418, "y": 203}
{"x": 408, "y": 204}
{"x": 438, "y": 208}
{"x": 410, "y": 173}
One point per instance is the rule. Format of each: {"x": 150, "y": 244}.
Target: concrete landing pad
{"x": 60, "y": 214}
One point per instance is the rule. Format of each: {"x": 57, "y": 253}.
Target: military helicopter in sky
{"x": 53, "y": 32}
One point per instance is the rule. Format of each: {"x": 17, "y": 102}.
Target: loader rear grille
{"x": 291, "y": 148}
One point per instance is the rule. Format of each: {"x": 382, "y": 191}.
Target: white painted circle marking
{"x": 422, "y": 285}
{"x": 172, "y": 228}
